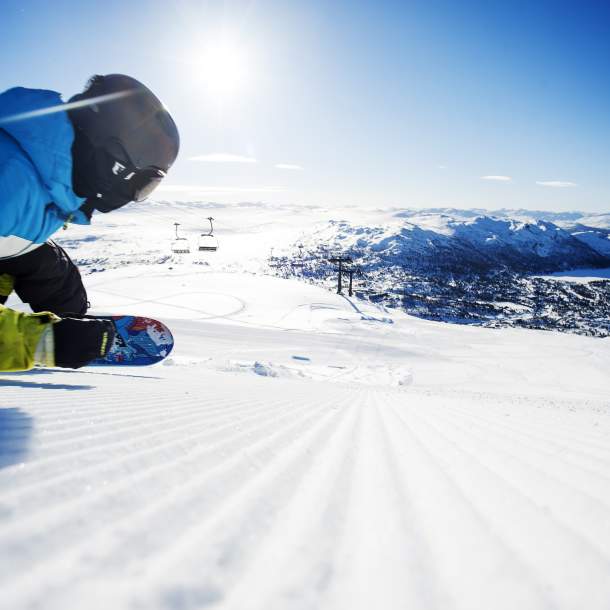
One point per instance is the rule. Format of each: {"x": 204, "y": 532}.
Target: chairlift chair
{"x": 180, "y": 245}
{"x": 207, "y": 241}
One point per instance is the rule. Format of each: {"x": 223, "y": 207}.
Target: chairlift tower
{"x": 339, "y": 261}
{"x": 350, "y": 292}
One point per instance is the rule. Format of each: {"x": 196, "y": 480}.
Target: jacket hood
{"x": 47, "y": 139}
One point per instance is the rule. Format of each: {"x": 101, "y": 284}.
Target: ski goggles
{"x": 119, "y": 181}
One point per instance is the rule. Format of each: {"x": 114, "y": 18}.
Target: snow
{"x": 299, "y": 449}
{"x": 581, "y": 275}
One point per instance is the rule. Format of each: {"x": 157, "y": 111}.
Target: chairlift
{"x": 180, "y": 245}
{"x": 207, "y": 241}
{"x": 298, "y": 263}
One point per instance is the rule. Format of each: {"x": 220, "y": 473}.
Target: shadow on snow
{"x": 15, "y": 434}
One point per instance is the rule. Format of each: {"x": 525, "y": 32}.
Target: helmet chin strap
{"x": 91, "y": 205}
{"x": 88, "y": 208}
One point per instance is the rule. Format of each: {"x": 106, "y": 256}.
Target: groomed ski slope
{"x": 300, "y": 449}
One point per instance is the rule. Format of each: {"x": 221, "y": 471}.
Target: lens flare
{"x": 32, "y": 114}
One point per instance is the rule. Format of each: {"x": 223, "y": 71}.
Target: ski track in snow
{"x": 299, "y": 450}
{"x": 317, "y": 496}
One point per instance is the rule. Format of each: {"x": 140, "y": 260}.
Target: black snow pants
{"x": 47, "y": 279}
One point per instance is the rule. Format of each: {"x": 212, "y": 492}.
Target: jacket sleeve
{"x": 20, "y": 336}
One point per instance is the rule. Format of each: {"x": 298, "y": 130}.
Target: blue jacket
{"x": 36, "y": 196}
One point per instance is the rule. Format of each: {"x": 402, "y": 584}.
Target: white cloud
{"x": 497, "y": 178}
{"x": 223, "y": 158}
{"x": 557, "y": 184}
{"x": 287, "y": 166}
{"x": 215, "y": 190}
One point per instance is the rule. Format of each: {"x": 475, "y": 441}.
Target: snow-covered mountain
{"x": 559, "y": 218}
{"x": 596, "y": 237}
{"x": 480, "y": 244}
{"x": 299, "y": 449}
{"x": 449, "y": 239}
{"x": 453, "y": 265}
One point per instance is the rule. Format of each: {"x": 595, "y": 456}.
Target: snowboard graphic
{"x": 138, "y": 342}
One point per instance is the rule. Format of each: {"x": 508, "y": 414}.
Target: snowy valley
{"x": 470, "y": 267}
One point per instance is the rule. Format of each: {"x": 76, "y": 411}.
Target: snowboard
{"x": 138, "y": 342}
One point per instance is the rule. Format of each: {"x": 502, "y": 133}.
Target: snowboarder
{"x": 108, "y": 146}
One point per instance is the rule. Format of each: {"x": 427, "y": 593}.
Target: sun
{"x": 223, "y": 67}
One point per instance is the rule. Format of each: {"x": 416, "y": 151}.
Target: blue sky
{"x": 423, "y": 103}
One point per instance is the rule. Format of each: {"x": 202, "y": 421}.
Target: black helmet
{"x": 125, "y": 142}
